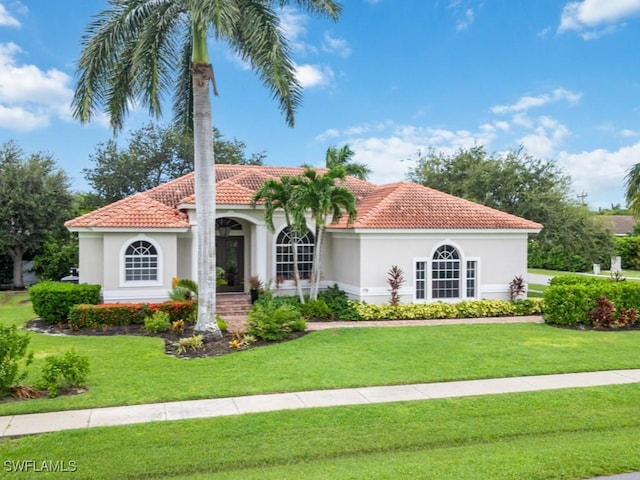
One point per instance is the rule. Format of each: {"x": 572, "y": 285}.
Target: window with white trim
{"x": 284, "y": 255}
{"x": 141, "y": 262}
{"x": 421, "y": 280}
{"x": 445, "y": 273}
{"x": 472, "y": 278}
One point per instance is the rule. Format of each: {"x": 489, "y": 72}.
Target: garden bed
{"x": 211, "y": 347}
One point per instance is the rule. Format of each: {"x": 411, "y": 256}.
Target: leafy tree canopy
{"x": 528, "y": 187}
{"x": 34, "y": 203}
{"x": 154, "y": 155}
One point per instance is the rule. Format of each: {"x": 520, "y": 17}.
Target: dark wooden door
{"x": 230, "y": 257}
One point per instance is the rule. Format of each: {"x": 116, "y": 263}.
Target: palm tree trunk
{"x": 317, "y": 264}
{"x": 205, "y": 188}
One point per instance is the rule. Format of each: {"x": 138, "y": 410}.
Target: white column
{"x": 260, "y": 252}
{"x": 194, "y": 252}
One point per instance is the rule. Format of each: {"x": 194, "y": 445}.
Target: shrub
{"x": 272, "y": 322}
{"x": 52, "y": 301}
{"x": 628, "y": 248}
{"x": 315, "y": 309}
{"x": 68, "y": 369}
{"x": 571, "y": 304}
{"x": 222, "y": 325}
{"x": 602, "y": 315}
{"x": 158, "y": 322}
{"x": 13, "y": 354}
{"x": 395, "y": 279}
{"x": 516, "y": 288}
{"x": 627, "y": 317}
{"x": 177, "y": 327}
{"x": 190, "y": 343}
{"x": 442, "y": 310}
{"x": 576, "y": 280}
{"x": 110, "y": 314}
{"x": 338, "y": 303}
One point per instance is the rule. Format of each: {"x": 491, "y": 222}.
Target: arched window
{"x": 284, "y": 255}
{"x": 140, "y": 262}
{"x": 445, "y": 273}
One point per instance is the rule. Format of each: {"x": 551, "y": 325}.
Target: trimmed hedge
{"x": 121, "y": 314}
{"x": 52, "y": 301}
{"x": 629, "y": 250}
{"x": 578, "y": 280}
{"x": 441, "y": 310}
{"x": 570, "y": 304}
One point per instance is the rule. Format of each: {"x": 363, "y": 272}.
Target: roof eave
{"x": 436, "y": 230}
{"x": 130, "y": 229}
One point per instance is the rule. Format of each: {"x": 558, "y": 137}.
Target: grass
{"x": 564, "y": 434}
{"x": 630, "y": 274}
{"x": 133, "y": 370}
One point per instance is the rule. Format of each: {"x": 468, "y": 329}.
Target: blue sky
{"x": 561, "y": 78}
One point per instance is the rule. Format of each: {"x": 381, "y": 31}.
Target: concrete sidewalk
{"x": 18, "y": 425}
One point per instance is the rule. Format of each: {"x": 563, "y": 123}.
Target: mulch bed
{"x": 211, "y": 348}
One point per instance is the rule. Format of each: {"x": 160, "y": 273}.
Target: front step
{"x": 233, "y": 304}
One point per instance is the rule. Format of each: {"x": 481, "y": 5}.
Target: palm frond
{"x": 118, "y": 49}
{"x": 316, "y": 7}
{"x": 258, "y": 39}
{"x": 183, "y": 95}
{"x": 632, "y": 192}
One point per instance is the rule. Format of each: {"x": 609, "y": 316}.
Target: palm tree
{"x": 632, "y": 182}
{"x": 323, "y": 196}
{"x": 343, "y": 157}
{"x": 137, "y": 50}
{"x": 275, "y": 194}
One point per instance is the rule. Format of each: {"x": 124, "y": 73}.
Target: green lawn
{"x": 564, "y": 434}
{"x": 133, "y": 370}
{"x": 630, "y": 274}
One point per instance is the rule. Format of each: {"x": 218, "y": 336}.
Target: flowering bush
{"x": 112, "y": 314}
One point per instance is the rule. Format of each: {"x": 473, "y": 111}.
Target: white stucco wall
{"x": 183, "y": 256}
{"x": 116, "y": 289}
{"x": 91, "y": 258}
{"x": 500, "y": 257}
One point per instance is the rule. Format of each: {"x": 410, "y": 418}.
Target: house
{"x": 449, "y": 248}
{"x": 619, "y": 225}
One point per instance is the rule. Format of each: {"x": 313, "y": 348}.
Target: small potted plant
{"x": 255, "y": 285}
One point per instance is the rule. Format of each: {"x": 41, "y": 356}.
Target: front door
{"x": 230, "y": 257}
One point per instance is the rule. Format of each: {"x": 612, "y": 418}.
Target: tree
{"x": 325, "y": 198}
{"x": 154, "y": 155}
{"x": 343, "y": 157}
{"x": 275, "y": 194}
{"x": 34, "y": 203}
{"x": 525, "y": 186}
{"x": 632, "y": 190}
{"x": 138, "y": 49}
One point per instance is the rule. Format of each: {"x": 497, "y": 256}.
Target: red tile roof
{"x": 402, "y": 205}
{"x": 407, "y": 205}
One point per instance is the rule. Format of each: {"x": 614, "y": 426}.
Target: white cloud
{"x": 294, "y": 26}
{"x": 336, "y": 45}
{"x": 629, "y": 133}
{"x": 6, "y": 19}
{"x": 598, "y": 17}
{"x": 600, "y": 172}
{"x": 387, "y": 148}
{"x": 311, "y": 76}
{"x": 29, "y": 96}
{"x": 466, "y": 20}
{"x": 329, "y": 133}
{"x": 527, "y": 102}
